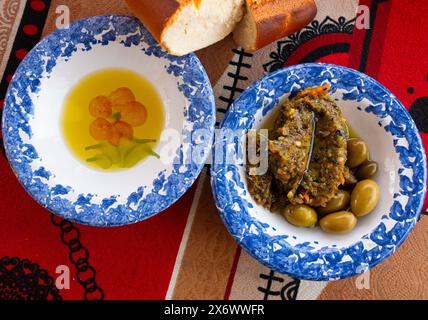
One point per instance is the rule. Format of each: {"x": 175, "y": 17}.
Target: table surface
{"x": 196, "y": 258}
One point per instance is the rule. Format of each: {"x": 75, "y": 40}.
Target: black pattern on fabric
{"x": 79, "y": 257}
{"x": 21, "y": 279}
{"x": 286, "y": 47}
{"x": 288, "y": 289}
{"x": 239, "y": 63}
{"x": 419, "y": 112}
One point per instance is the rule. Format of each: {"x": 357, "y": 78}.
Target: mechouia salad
{"x": 319, "y": 170}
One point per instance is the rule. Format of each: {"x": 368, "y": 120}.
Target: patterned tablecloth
{"x": 186, "y": 252}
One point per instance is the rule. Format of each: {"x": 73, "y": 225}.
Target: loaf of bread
{"x": 183, "y": 26}
{"x": 266, "y": 21}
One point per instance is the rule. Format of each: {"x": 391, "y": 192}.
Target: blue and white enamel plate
{"x": 35, "y": 145}
{"x": 394, "y": 143}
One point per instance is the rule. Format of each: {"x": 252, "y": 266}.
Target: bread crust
{"x": 276, "y": 19}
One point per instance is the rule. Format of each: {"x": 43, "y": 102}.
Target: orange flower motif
{"x": 134, "y": 113}
{"x": 121, "y": 96}
{"x": 124, "y": 129}
{"x": 115, "y": 138}
{"x": 100, "y": 129}
{"x": 116, "y": 116}
{"x": 100, "y": 107}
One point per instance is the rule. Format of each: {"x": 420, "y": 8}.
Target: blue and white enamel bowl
{"x": 34, "y": 141}
{"x": 394, "y": 143}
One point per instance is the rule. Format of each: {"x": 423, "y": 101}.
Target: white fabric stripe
{"x": 186, "y": 233}
{"x": 226, "y": 80}
{"x": 247, "y": 279}
{"x": 310, "y": 290}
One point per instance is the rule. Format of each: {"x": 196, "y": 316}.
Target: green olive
{"x": 338, "y": 222}
{"x": 358, "y": 152}
{"x": 366, "y": 170}
{"x": 339, "y": 202}
{"x": 364, "y": 197}
{"x": 300, "y": 215}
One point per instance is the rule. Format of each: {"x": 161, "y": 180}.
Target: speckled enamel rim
{"x": 304, "y": 260}
{"x": 84, "y": 35}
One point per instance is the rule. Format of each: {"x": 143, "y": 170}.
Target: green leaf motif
{"x": 116, "y": 116}
{"x": 126, "y": 155}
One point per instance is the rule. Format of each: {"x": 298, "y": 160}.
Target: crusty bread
{"x": 266, "y": 21}
{"x": 183, "y": 26}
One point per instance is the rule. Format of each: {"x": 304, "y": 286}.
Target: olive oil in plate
{"x": 112, "y": 119}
